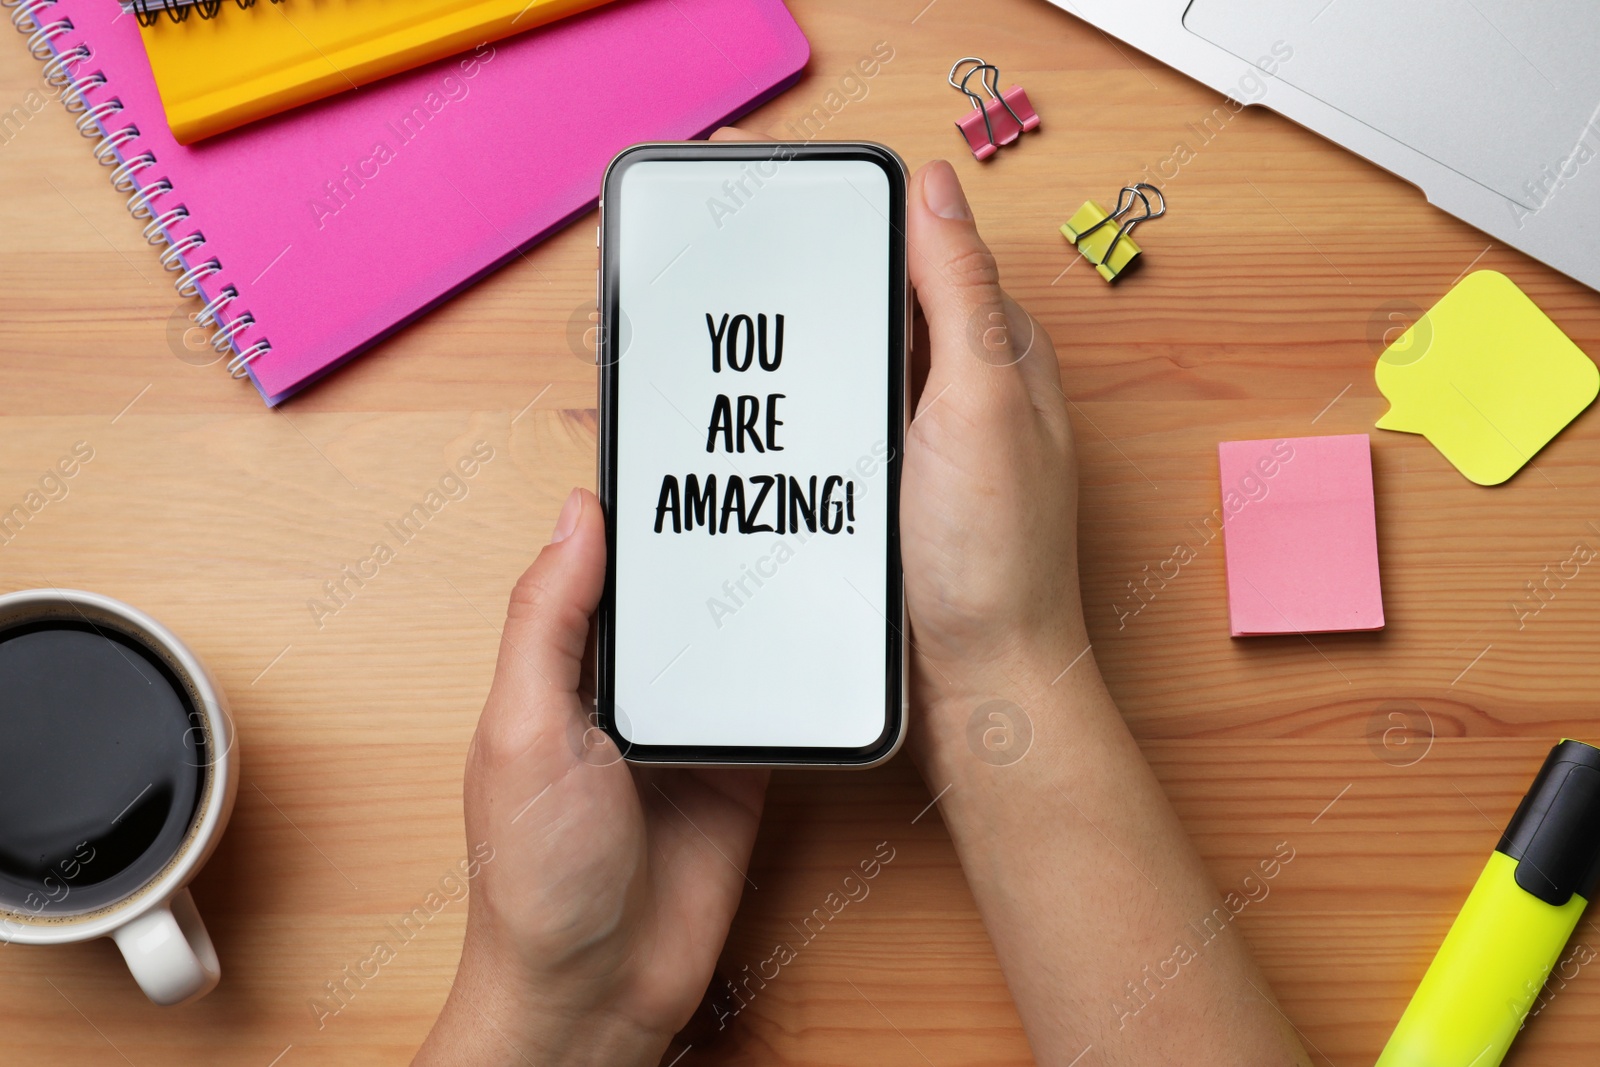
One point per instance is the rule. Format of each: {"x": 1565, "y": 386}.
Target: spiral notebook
{"x": 219, "y": 75}
{"x": 309, "y": 237}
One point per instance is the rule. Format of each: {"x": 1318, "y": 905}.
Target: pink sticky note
{"x": 1300, "y": 535}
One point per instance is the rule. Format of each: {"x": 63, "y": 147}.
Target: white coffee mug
{"x": 155, "y": 925}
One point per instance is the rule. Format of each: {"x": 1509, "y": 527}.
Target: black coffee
{"x": 102, "y": 762}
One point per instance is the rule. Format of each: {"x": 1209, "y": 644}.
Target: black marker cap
{"x": 1555, "y": 834}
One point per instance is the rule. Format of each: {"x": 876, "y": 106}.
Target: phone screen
{"x": 756, "y": 307}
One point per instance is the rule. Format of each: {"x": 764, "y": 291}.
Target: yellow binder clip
{"x": 1111, "y": 250}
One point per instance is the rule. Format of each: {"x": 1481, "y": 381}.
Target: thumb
{"x": 958, "y": 288}
{"x": 547, "y": 621}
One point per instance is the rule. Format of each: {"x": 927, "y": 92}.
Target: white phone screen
{"x": 752, "y": 507}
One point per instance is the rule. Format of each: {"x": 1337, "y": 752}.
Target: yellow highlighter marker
{"x": 1511, "y": 930}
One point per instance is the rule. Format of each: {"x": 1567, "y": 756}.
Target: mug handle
{"x": 169, "y": 952}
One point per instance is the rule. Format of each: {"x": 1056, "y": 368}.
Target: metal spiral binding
{"x": 188, "y": 283}
{"x": 64, "y": 70}
{"x": 122, "y": 174}
{"x": 149, "y": 11}
{"x": 72, "y": 92}
{"x": 155, "y": 231}
{"x": 55, "y": 69}
{"x": 39, "y": 41}
{"x": 172, "y": 258}
{"x": 89, "y": 121}
{"x": 208, "y": 314}
{"x": 106, "y": 150}
{"x": 22, "y": 17}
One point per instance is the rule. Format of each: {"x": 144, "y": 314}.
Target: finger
{"x": 547, "y": 621}
{"x": 734, "y": 133}
{"x": 707, "y": 817}
{"x": 701, "y": 826}
{"x": 958, "y": 288}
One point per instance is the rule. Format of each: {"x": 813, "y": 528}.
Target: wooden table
{"x": 1254, "y": 315}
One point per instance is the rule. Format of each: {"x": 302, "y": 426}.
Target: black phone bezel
{"x": 612, "y": 212}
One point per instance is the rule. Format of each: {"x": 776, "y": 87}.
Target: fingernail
{"x": 567, "y": 521}
{"x": 941, "y": 191}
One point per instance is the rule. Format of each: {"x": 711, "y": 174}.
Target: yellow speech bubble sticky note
{"x": 1486, "y": 377}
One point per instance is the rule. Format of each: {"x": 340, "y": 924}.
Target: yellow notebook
{"x": 218, "y": 74}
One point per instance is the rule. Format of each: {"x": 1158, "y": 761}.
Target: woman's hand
{"x": 1082, "y": 872}
{"x": 988, "y": 501}
{"x": 593, "y": 929}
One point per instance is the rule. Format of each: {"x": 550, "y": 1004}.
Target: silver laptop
{"x": 1491, "y": 107}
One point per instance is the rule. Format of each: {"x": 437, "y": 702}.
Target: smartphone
{"x": 752, "y": 359}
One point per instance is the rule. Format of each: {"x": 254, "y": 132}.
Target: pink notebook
{"x": 1300, "y": 535}
{"x": 326, "y": 229}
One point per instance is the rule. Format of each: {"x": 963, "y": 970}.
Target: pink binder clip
{"x": 997, "y": 121}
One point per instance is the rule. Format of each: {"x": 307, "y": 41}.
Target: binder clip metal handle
{"x": 1091, "y": 219}
{"x": 1003, "y": 116}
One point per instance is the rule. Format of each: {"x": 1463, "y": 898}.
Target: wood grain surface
{"x": 1255, "y": 314}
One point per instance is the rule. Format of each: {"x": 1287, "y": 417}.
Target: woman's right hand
{"x": 988, "y": 500}
{"x": 1082, "y": 872}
